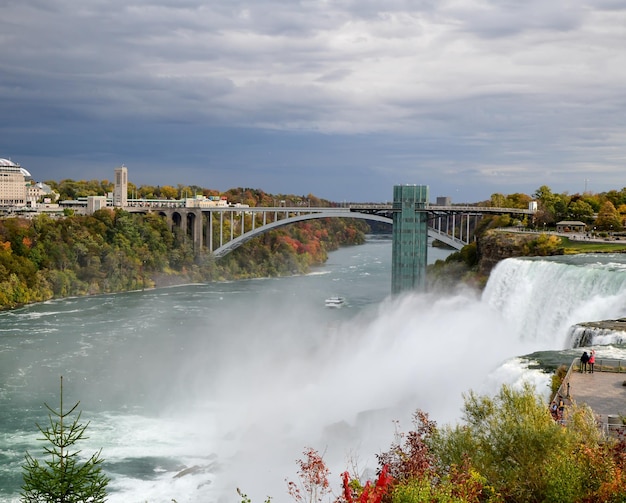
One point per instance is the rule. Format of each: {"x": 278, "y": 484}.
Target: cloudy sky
{"x": 338, "y": 98}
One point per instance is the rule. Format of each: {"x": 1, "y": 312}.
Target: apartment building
{"x": 12, "y": 183}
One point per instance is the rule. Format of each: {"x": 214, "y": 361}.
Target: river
{"x": 196, "y": 390}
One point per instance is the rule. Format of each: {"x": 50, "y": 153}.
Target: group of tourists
{"x": 587, "y": 361}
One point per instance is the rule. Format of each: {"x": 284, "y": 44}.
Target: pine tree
{"x": 63, "y": 478}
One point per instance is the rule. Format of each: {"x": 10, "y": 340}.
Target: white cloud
{"x": 516, "y": 84}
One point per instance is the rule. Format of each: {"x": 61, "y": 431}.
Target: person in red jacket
{"x": 592, "y": 360}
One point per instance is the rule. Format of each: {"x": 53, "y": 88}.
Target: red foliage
{"x": 413, "y": 458}
{"x": 369, "y": 494}
{"x": 464, "y": 486}
{"x": 313, "y": 475}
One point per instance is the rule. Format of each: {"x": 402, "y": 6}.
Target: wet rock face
{"x": 584, "y": 334}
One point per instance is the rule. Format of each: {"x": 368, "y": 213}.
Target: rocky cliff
{"x": 495, "y": 246}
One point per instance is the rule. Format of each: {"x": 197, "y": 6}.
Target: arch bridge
{"x": 222, "y": 229}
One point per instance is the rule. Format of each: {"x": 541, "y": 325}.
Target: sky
{"x": 342, "y": 99}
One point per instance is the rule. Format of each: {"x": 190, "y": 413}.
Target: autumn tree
{"x": 168, "y": 192}
{"x": 313, "y": 473}
{"x": 609, "y": 218}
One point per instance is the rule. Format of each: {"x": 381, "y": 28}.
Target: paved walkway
{"x": 604, "y": 392}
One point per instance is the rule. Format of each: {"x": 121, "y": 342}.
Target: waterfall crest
{"x": 544, "y": 297}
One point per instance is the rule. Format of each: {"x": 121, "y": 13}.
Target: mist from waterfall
{"x": 339, "y": 389}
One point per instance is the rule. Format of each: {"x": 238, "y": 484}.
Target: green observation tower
{"x": 410, "y": 238}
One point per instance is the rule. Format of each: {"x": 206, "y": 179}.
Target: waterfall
{"x": 545, "y": 297}
{"x": 585, "y": 336}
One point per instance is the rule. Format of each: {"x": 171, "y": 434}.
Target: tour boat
{"x": 335, "y": 301}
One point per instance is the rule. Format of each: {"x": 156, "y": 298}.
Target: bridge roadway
{"x": 198, "y": 221}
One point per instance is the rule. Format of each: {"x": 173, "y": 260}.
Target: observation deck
{"x": 603, "y": 391}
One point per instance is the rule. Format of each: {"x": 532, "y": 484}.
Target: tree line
{"x": 606, "y": 211}
{"x": 113, "y": 250}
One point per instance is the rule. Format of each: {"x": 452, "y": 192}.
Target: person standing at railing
{"x": 592, "y": 360}
{"x": 584, "y": 359}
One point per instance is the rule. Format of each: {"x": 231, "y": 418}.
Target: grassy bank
{"x": 571, "y": 247}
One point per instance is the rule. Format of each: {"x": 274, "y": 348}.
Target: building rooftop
{"x": 8, "y": 163}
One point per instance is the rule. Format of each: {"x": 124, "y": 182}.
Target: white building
{"x": 38, "y": 193}
{"x": 95, "y": 203}
{"x": 120, "y": 192}
{"x": 203, "y": 202}
{"x": 12, "y": 183}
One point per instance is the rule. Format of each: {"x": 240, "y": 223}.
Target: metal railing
{"x": 614, "y": 425}
{"x": 602, "y": 365}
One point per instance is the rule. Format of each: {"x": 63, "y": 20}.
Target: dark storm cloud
{"x": 340, "y": 98}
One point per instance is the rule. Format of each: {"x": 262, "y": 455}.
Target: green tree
{"x": 63, "y": 478}
{"x": 514, "y": 443}
{"x": 552, "y": 207}
{"x": 580, "y": 210}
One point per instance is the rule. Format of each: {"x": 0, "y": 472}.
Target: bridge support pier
{"x": 410, "y": 238}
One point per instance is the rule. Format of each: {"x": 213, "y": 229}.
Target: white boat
{"x": 334, "y": 302}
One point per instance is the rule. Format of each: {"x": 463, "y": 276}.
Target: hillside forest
{"x": 42, "y": 257}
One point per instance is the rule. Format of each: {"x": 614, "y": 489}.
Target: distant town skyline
{"x": 342, "y": 100}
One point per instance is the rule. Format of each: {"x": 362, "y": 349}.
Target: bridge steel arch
{"x": 226, "y": 248}
{"x": 244, "y": 238}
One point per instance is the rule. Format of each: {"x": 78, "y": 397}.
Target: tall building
{"x": 410, "y": 238}
{"x": 120, "y": 192}
{"x": 12, "y": 183}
